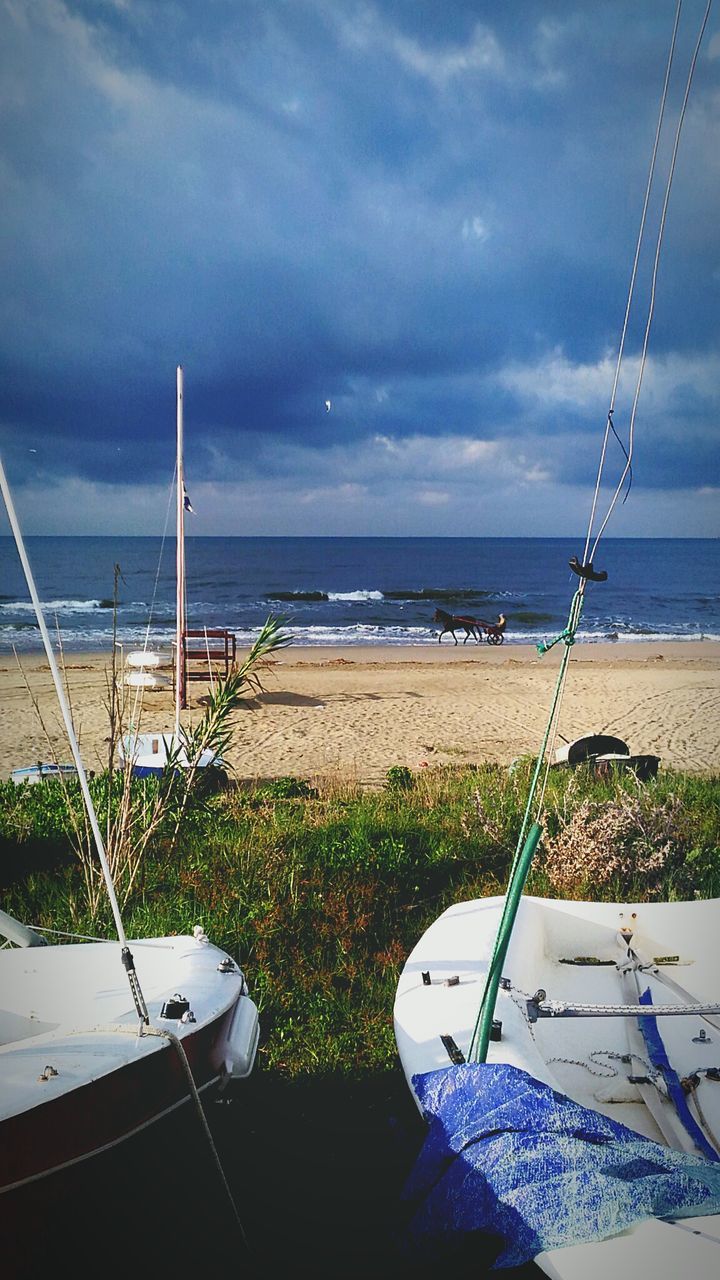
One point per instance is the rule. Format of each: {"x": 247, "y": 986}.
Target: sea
{"x": 355, "y": 591}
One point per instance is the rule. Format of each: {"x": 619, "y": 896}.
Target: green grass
{"x": 321, "y": 892}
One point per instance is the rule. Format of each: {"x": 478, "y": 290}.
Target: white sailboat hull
{"x": 77, "y": 1078}
{"x": 147, "y": 680}
{"x": 33, "y": 773}
{"x": 148, "y": 659}
{"x": 570, "y": 950}
{"x": 100, "y": 1040}
{"x": 148, "y": 753}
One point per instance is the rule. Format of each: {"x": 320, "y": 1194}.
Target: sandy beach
{"x": 354, "y": 712}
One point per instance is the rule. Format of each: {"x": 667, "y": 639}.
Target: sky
{"x": 424, "y": 212}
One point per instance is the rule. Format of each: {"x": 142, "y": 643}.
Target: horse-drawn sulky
{"x": 494, "y": 632}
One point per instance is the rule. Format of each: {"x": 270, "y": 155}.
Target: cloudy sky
{"x": 423, "y": 211}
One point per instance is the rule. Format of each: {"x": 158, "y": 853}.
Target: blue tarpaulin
{"x": 507, "y": 1155}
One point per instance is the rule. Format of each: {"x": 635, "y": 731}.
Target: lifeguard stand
{"x": 206, "y": 655}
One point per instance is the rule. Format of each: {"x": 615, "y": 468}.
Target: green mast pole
{"x": 523, "y": 856}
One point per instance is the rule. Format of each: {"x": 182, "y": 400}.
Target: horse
{"x": 452, "y": 621}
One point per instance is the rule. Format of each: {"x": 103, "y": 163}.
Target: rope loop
{"x": 567, "y": 635}
{"x": 546, "y": 645}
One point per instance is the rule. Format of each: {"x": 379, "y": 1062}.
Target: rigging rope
{"x": 633, "y": 276}
{"x": 180, "y": 1050}
{"x": 177, "y": 1044}
{"x": 651, "y": 306}
{"x": 527, "y": 843}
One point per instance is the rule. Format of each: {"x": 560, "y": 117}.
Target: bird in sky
{"x": 327, "y": 406}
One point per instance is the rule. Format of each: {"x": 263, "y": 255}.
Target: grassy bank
{"x": 321, "y": 891}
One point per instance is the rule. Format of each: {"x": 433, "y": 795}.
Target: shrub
{"x": 286, "y": 789}
{"x": 626, "y": 842}
{"x": 399, "y": 778}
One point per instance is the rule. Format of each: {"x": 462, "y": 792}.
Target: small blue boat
{"x": 41, "y": 772}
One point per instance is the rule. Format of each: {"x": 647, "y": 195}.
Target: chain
{"x": 606, "y": 1071}
{"x": 603, "y": 1070}
{"x": 522, "y": 1010}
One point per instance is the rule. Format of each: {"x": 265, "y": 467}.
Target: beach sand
{"x": 337, "y": 1152}
{"x": 351, "y": 713}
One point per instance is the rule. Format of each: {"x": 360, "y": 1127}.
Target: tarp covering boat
{"x": 590, "y": 746}
{"x": 508, "y": 1156}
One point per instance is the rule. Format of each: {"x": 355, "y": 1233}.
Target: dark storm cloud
{"x": 426, "y": 213}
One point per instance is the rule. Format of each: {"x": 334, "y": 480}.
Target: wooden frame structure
{"x": 207, "y": 654}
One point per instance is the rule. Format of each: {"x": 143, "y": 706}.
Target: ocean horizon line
{"x": 375, "y": 537}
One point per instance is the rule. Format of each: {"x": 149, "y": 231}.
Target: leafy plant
{"x": 399, "y": 777}
{"x": 213, "y": 733}
{"x": 135, "y": 814}
{"x": 286, "y": 789}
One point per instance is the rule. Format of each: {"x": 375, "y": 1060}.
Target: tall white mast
{"x": 180, "y": 603}
{"x": 64, "y": 705}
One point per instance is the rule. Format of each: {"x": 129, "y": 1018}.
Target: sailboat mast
{"x": 64, "y": 705}
{"x": 180, "y": 700}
